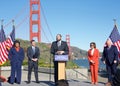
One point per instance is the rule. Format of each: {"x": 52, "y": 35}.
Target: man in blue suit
{"x": 33, "y": 54}
{"x": 110, "y": 58}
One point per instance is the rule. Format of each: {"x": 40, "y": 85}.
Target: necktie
{"x": 33, "y": 50}
{"x": 58, "y": 43}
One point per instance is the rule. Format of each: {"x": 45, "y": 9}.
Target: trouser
{"x": 116, "y": 79}
{"x": 55, "y": 71}
{"x": 15, "y": 72}
{"x": 111, "y": 69}
{"x": 94, "y": 73}
{"x": 31, "y": 65}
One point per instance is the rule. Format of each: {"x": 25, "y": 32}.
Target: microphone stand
{"x": 50, "y": 68}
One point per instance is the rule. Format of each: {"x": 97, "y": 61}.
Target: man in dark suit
{"x": 110, "y": 58}
{"x": 33, "y": 53}
{"x": 58, "y": 47}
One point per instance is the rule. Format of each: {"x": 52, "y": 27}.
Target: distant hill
{"x": 78, "y": 53}
{"x": 46, "y": 59}
{"x": 45, "y": 49}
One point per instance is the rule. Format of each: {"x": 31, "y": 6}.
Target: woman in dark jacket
{"x": 16, "y": 56}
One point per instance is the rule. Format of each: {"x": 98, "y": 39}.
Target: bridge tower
{"x": 35, "y": 24}
{"x": 68, "y": 42}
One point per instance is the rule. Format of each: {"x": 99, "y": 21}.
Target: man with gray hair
{"x": 110, "y": 58}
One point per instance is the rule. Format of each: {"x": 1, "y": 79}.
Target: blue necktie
{"x": 33, "y": 50}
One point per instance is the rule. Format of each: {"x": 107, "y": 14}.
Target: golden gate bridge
{"x": 35, "y": 26}
{"x": 34, "y": 18}
{"x": 36, "y": 11}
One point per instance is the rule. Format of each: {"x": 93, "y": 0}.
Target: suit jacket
{"x": 109, "y": 55}
{"x": 30, "y": 53}
{"x": 16, "y": 56}
{"x": 94, "y": 57}
{"x": 63, "y": 47}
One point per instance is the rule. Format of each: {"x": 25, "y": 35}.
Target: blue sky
{"x": 84, "y": 20}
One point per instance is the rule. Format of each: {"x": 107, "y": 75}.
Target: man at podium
{"x": 58, "y": 47}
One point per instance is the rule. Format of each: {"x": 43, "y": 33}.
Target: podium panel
{"x": 61, "y": 57}
{"x": 61, "y": 70}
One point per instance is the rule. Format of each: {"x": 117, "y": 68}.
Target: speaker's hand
{"x": 115, "y": 61}
{"x": 103, "y": 62}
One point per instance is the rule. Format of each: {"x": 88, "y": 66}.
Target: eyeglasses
{"x": 91, "y": 45}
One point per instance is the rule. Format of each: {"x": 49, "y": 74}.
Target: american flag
{"x": 10, "y": 39}
{"x": 5, "y": 45}
{"x": 115, "y": 38}
{"x": 3, "y": 50}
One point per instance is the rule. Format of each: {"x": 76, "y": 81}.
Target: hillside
{"x": 45, "y": 49}
{"x": 78, "y": 53}
{"x": 45, "y": 55}
{"x": 46, "y": 59}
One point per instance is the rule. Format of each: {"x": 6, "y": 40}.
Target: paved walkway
{"x": 47, "y": 83}
{"x": 45, "y": 80}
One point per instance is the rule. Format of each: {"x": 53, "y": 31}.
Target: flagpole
{"x": 13, "y": 22}
{"x": 2, "y": 23}
{"x": 114, "y": 21}
{"x": 1, "y": 28}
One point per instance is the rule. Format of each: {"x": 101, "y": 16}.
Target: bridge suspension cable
{"x": 46, "y": 22}
{"x": 25, "y": 18}
{"x": 17, "y": 15}
{"x": 45, "y": 34}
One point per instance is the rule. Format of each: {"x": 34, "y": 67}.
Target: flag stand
{"x": 2, "y": 79}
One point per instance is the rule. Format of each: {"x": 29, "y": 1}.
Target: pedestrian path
{"x": 49, "y": 83}
{"x": 45, "y": 80}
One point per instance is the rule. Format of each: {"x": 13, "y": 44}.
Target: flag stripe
{"x": 1, "y": 53}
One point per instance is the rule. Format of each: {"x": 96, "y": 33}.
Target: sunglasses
{"x": 91, "y": 45}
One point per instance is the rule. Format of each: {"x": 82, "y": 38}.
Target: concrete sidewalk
{"x": 48, "y": 83}
{"x": 45, "y": 80}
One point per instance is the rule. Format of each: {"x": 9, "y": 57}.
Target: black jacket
{"x": 63, "y": 47}
{"x": 30, "y": 53}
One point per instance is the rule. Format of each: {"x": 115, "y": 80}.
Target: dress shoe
{"x": 28, "y": 82}
{"x": 96, "y": 83}
{"x": 11, "y": 83}
{"x": 108, "y": 84}
{"x": 18, "y": 82}
{"x": 37, "y": 81}
{"x": 92, "y": 83}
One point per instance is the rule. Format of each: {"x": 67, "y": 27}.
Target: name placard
{"x": 61, "y": 57}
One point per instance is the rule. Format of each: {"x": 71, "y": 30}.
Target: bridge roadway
{"x": 45, "y": 80}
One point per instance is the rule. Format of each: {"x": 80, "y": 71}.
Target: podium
{"x": 61, "y": 65}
